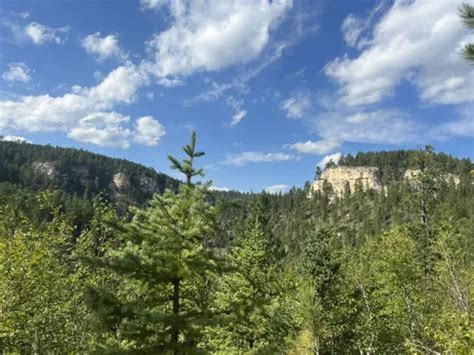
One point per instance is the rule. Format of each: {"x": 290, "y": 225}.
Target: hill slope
{"x": 79, "y": 172}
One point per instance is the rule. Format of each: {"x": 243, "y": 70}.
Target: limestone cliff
{"x": 367, "y": 177}
{"x": 46, "y": 169}
{"x": 412, "y": 174}
{"x": 339, "y": 177}
{"x": 121, "y": 181}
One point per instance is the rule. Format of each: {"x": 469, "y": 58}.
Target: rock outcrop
{"x": 411, "y": 175}
{"x": 46, "y": 169}
{"x": 368, "y": 177}
{"x": 121, "y": 182}
{"x": 341, "y": 176}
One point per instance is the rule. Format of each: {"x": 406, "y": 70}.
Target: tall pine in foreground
{"x": 165, "y": 271}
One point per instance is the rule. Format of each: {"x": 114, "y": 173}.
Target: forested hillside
{"x": 195, "y": 271}
{"x": 79, "y": 172}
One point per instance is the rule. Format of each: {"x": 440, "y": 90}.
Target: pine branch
{"x": 186, "y": 166}
{"x": 466, "y": 11}
{"x": 468, "y": 52}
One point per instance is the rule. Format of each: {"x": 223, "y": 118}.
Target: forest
{"x": 189, "y": 270}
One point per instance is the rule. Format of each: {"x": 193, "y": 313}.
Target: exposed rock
{"x": 46, "y": 169}
{"x": 121, "y": 182}
{"x": 411, "y": 175}
{"x": 339, "y": 177}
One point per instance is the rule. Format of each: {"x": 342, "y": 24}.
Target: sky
{"x": 272, "y": 88}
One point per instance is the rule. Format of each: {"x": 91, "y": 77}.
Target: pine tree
{"x": 331, "y": 304}
{"x": 466, "y": 12}
{"x": 41, "y": 308}
{"x": 165, "y": 269}
{"x": 254, "y": 299}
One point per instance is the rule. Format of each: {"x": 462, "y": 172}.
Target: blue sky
{"x": 272, "y": 88}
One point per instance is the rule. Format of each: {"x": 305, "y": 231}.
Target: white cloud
{"x": 418, "y": 41}
{"x": 204, "y": 35}
{"x": 276, "y": 189}
{"x": 41, "y": 34}
{"x": 238, "y": 117}
{"x": 332, "y": 157}
{"x": 297, "y": 105}
{"x": 17, "y": 72}
{"x": 148, "y": 131}
{"x": 152, "y": 4}
{"x": 239, "y": 82}
{"x": 462, "y": 126}
{"x": 17, "y": 139}
{"x": 376, "y": 126}
{"x": 320, "y": 147}
{"x": 257, "y": 157}
{"x": 352, "y": 29}
{"x": 217, "y": 188}
{"x": 83, "y": 114}
{"x": 102, "y": 128}
{"x": 103, "y": 47}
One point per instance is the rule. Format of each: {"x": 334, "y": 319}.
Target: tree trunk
{"x": 175, "y": 333}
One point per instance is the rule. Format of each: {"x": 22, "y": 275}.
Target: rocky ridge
{"x": 341, "y": 177}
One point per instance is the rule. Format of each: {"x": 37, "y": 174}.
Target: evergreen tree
{"x": 330, "y": 304}
{"x": 165, "y": 270}
{"x": 41, "y": 308}
{"x": 254, "y": 298}
{"x": 466, "y": 11}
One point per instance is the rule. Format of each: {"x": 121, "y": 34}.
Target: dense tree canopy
{"x": 191, "y": 270}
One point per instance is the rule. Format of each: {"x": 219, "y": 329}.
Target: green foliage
{"x": 466, "y": 12}
{"x": 40, "y": 287}
{"x": 254, "y": 300}
{"x": 228, "y": 272}
{"x": 165, "y": 271}
{"x": 78, "y": 172}
{"x": 186, "y": 166}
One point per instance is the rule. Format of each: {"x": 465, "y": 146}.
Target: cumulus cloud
{"x": 418, "y": 41}
{"x": 257, "y": 157}
{"x": 102, "y": 128}
{"x": 276, "y": 189}
{"x": 41, "y": 34}
{"x": 320, "y": 147}
{"x": 238, "y": 117}
{"x": 84, "y": 114}
{"x": 204, "y": 34}
{"x": 148, "y": 131}
{"x": 332, "y": 157}
{"x": 103, "y": 47}
{"x": 17, "y": 72}
{"x": 17, "y": 139}
{"x": 296, "y": 106}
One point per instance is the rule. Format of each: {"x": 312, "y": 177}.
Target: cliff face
{"x": 367, "y": 177}
{"x": 412, "y": 174}
{"x": 340, "y": 176}
{"x": 46, "y": 169}
{"x": 121, "y": 181}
